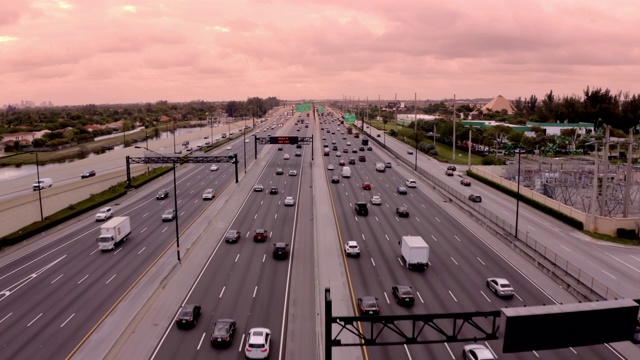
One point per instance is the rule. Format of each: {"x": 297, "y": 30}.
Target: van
{"x": 346, "y": 172}
{"x": 42, "y": 184}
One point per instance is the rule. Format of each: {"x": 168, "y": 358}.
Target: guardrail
{"x": 555, "y": 263}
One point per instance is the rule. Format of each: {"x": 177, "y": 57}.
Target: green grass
{"x": 612, "y": 239}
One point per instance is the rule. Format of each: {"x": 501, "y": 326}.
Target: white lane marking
{"x": 608, "y": 274}
{"x": 143, "y": 230}
{"x": 434, "y": 238}
{"x": 248, "y": 232}
{"x": 417, "y": 218}
{"x": 535, "y": 353}
{"x": 386, "y": 297}
{"x": 165, "y": 229}
{"x": 397, "y": 219}
{"x": 241, "y": 343}
{"x": 482, "y": 262}
{"x": 454, "y": 298}
{"x": 145, "y": 214}
{"x": 638, "y": 270}
{"x": 237, "y": 256}
{"x": 490, "y": 349}
{"x": 255, "y": 217}
{"x": 93, "y": 252}
{"x": 423, "y": 206}
{"x": 222, "y": 291}
{"x": 635, "y": 257}
{"x": 373, "y": 262}
{"x": 457, "y": 238}
{"x": 201, "y": 340}
{"x": 400, "y": 261}
{"x": 376, "y": 218}
{"x": 387, "y": 205}
{"x": 275, "y": 217}
{"x": 406, "y": 349}
{"x": 385, "y": 235}
{"x": 56, "y": 279}
{"x": 264, "y": 257}
{"x": 81, "y": 280}
{"x": 117, "y": 251}
{"x": 566, "y": 248}
{"x": 34, "y": 320}
{"x": 454, "y": 260}
{"x": 363, "y": 237}
{"x": 575, "y": 352}
{"x": 450, "y": 353}
{"x": 438, "y": 219}
{"x": 141, "y": 250}
{"x": 485, "y": 296}
{"x": 254, "y": 291}
{"x": 356, "y": 218}
{"x": 519, "y": 298}
{"x": 111, "y": 278}
{"x": 66, "y": 321}
{"x": 11, "y": 289}
{"x": 4, "y": 318}
{"x": 420, "y": 297}
{"x": 261, "y": 202}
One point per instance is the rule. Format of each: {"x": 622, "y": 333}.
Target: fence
{"x": 580, "y": 281}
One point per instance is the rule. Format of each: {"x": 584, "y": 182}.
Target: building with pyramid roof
{"x": 498, "y": 104}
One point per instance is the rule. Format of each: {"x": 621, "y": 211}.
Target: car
{"x": 333, "y": 142}
{"x": 465, "y": 182}
{"x": 246, "y": 141}
{"x": 354, "y": 150}
{"x": 449, "y": 173}
{"x": 328, "y": 131}
{"x": 261, "y": 235}
{"x": 289, "y": 201}
{"x": 475, "y": 198}
{"x": 376, "y": 200}
{"x": 380, "y": 167}
{"x": 344, "y": 137}
{"x": 223, "y": 332}
{"x": 189, "y": 148}
{"x": 341, "y": 163}
{"x": 369, "y": 148}
{"x": 273, "y": 190}
{"x": 452, "y": 168}
{"x": 232, "y": 236}
{"x": 258, "y": 187}
{"x": 362, "y": 158}
{"x": 402, "y": 211}
{"x": 368, "y": 305}
{"x": 338, "y": 154}
{"x": 410, "y": 183}
{"x": 334, "y": 148}
{"x": 279, "y": 171}
{"x": 500, "y": 287}
{"x": 280, "y": 148}
{"x": 298, "y": 146}
{"x": 214, "y": 167}
{"x": 188, "y": 316}
{"x": 361, "y": 148}
{"x": 403, "y": 295}
{"x": 351, "y": 248}
{"x": 280, "y": 251}
{"x": 326, "y": 145}
{"x": 402, "y": 190}
{"x": 104, "y": 213}
{"x": 361, "y": 208}
{"x": 476, "y": 352}
{"x": 387, "y": 164}
{"x": 335, "y": 179}
{"x": 352, "y": 161}
{"x": 330, "y": 167}
{"x": 208, "y": 194}
{"x": 162, "y": 194}
{"x": 169, "y": 215}
{"x": 286, "y": 157}
{"x": 258, "y": 343}
{"x": 345, "y": 150}
{"x": 366, "y": 185}
{"x": 88, "y": 174}
{"x": 228, "y": 147}
{"x": 410, "y": 152}
{"x": 293, "y": 172}
{"x": 377, "y": 135}
{"x": 297, "y": 154}
{"x": 348, "y": 143}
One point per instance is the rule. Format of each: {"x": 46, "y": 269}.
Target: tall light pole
{"x": 175, "y": 197}
{"x": 174, "y": 139}
{"x": 244, "y": 144}
{"x": 453, "y": 151}
{"x": 39, "y": 187}
{"x": 415, "y": 132}
{"x": 518, "y": 150}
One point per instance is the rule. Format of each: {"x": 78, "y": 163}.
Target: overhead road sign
{"x": 349, "y": 118}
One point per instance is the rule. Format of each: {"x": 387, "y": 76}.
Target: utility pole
{"x": 594, "y": 192}
{"x": 469, "y": 158}
{"x": 629, "y": 176}
{"x": 415, "y": 132}
{"x": 454, "y": 128}
{"x": 605, "y": 171}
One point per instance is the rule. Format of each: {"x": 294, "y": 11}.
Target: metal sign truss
{"x": 179, "y": 160}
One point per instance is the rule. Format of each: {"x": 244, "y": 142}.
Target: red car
{"x": 366, "y": 186}
{"x": 465, "y": 182}
{"x": 341, "y": 163}
{"x": 261, "y": 235}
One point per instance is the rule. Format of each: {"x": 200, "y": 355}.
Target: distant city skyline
{"x": 101, "y": 52}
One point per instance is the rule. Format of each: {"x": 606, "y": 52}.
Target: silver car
{"x": 289, "y": 201}
{"x": 500, "y": 287}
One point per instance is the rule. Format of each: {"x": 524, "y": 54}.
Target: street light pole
{"x": 174, "y": 137}
{"x": 415, "y": 132}
{"x": 39, "y": 188}
{"x": 244, "y": 144}
{"x": 518, "y": 196}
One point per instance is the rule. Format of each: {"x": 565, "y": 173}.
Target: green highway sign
{"x": 303, "y": 107}
{"x": 321, "y": 110}
{"x": 349, "y": 118}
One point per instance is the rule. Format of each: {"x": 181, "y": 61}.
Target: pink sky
{"x": 110, "y": 51}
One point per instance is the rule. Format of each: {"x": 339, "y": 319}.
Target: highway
{"x": 460, "y": 262}
{"x": 62, "y": 288}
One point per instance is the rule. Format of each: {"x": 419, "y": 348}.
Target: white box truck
{"x": 415, "y": 252}
{"x": 114, "y": 232}
{"x": 43, "y": 183}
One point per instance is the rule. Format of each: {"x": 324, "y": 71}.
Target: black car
{"x": 298, "y": 146}
{"x": 88, "y": 174}
{"x": 279, "y": 171}
{"x": 188, "y": 316}
{"x": 402, "y": 190}
{"x": 362, "y": 209}
{"x": 402, "y": 211}
{"x": 223, "y": 332}
{"x": 273, "y": 190}
{"x": 162, "y": 194}
{"x": 403, "y": 295}
{"x": 452, "y": 168}
{"x": 368, "y": 305}
{"x": 298, "y": 154}
{"x": 335, "y": 179}
{"x": 475, "y": 198}
{"x": 280, "y": 148}
{"x": 280, "y": 250}
{"x": 232, "y": 236}
{"x": 352, "y": 161}
{"x": 361, "y": 148}
{"x": 369, "y": 148}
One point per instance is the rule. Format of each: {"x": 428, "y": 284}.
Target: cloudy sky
{"x": 112, "y": 51}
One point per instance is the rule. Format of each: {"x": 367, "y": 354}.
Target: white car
{"x": 286, "y": 157}
{"x": 477, "y": 352}
{"x": 351, "y": 248}
{"x": 258, "y": 343}
{"x": 348, "y": 143}
{"x": 380, "y": 167}
{"x": 258, "y": 187}
{"x": 293, "y": 173}
{"x": 246, "y": 141}
{"x": 214, "y": 167}
{"x": 500, "y": 287}
{"x": 228, "y": 147}
{"x": 208, "y": 194}
{"x": 104, "y": 214}
{"x": 410, "y": 183}
{"x": 330, "y": 167}
{"x": 289, "y": 201}
{"x": 376, "y": 200}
